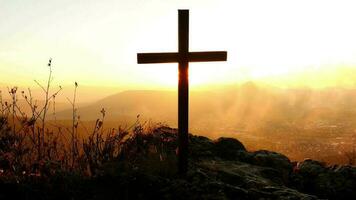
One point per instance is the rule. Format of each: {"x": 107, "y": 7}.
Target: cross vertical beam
{"x": 183, "y": 90}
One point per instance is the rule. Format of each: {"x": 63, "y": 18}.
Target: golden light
{"x": 97, "y": 46}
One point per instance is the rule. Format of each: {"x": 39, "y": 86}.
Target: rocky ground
{"x": 221, "y": 169}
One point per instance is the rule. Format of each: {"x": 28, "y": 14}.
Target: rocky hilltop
{"x": 220, "y": 169}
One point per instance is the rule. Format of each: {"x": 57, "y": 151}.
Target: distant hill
{"x": 160, "y": 105}
{"x": 128, "y": 104}
{"x": 246, "y": 107}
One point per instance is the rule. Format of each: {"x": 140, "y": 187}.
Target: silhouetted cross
{"x": 183, "y": 57}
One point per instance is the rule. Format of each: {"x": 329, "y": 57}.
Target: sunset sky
{"x": 286, "y": 43}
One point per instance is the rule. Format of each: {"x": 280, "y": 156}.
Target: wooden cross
{"x": 182, "y": 57}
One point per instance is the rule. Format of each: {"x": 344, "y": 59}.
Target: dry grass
{"x": 31, "y": 145}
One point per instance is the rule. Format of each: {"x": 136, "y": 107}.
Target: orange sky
{"x": 299, "y": 43}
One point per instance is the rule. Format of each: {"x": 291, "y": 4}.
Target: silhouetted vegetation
{"x": 31, "y": 145}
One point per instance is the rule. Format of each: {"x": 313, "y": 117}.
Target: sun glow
{"x": 200, "y": 74}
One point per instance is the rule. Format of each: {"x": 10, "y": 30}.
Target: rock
{"x": 229, "y": 148}
{"x": 271, "y": 159}
{"x": 311, "y": 168}
{"x": 244, "y": 181}
{"x": 201, "y": 147}
{"x": 276, "y": 161}
{"x": 274, "y": 175}
{"x": 223, "y": 169}
{"x": 287, "y": 193}
{"x": 335, "y": 182}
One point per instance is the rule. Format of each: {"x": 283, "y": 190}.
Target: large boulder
{"x": 229, "y": 148}
{"x": 200, "y": 147}
{"x": 311, "y": 168}
{"x": 277, "y": 166}
{"x": 271, "y": 159}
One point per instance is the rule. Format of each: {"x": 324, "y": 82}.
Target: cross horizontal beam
{"x": 208, "y": 56}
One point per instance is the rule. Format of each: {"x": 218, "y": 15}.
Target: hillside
{"x": 219, "y": 169}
